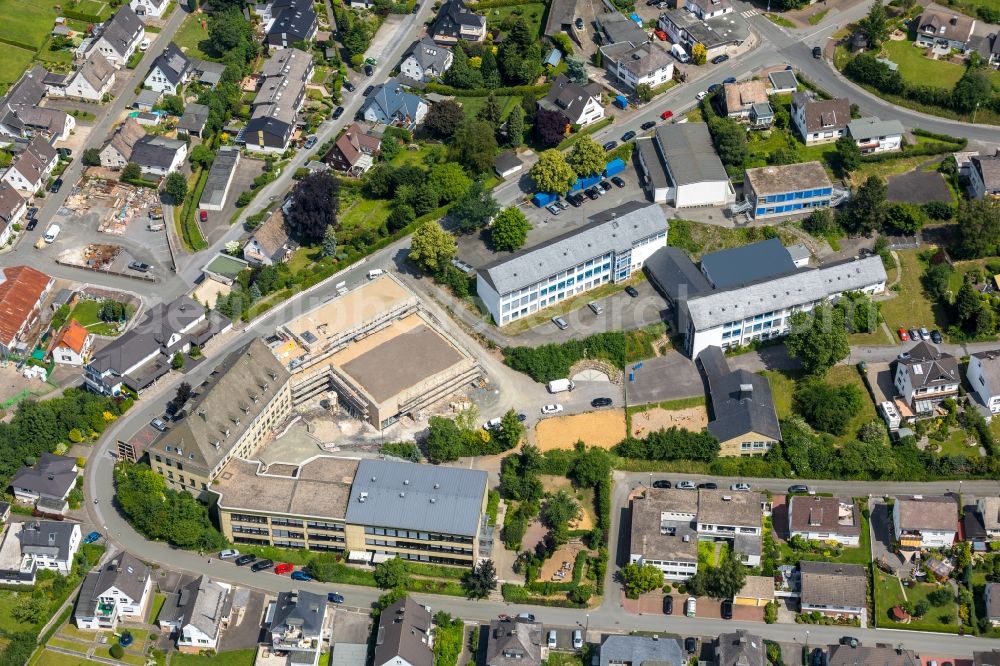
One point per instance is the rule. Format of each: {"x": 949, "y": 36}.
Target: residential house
{"x": 194, "y": 120}
{"x": 171, "y": 70}
{"x": 783, "y": 82}
{"x": 13, "y": 206}
{"x": 292, "y": 22}
{"x": 983, "y": 374}
{"x": 147, "y": 99}
{"x": 992, "y": 596}
{"x": 117, "y": 591}
{"x": 147, "y": 9}
{"x": 920, "y": 522}
{"x": 845, "y": 655}
{"x": 50, "y": 479}
{"x": 616, "y": 28}
{"x": 617, "y": 650}
{"x": 833, "y": 589}
{"x": 30, "y": 168}
{"x": 269, "y": 244}
{"x": 989, "y": 509}
{"x": 825, "y": 519}
{"x": 92, "y": 80}
{"x": 647, "y": 63}
{"x": 354, "y": 151}
{"x": 706, "y": 9}
{"x": 197, "y": 614}
{"x": 220, "y": 178}
{"x": 736, "y": 517}
{"x": 390, "y": 104}
{"x": 22, "y": 117}
{"x": 120, "y": 37}
{"x": 610, "y": 247}
{"x": 35, "y": 545}
{"x": 739, "y": 648}
{"x": 926, "y": 376}
{"x": 274, "y": 112}
{"x": 663, "y": 532}
{"x": 514, "y": 641}
{"x": 741, "y": 96}
{"x": 581, "y": 105}
{"x": 23, "y": 290}
{"x": 719, "y": 35}
{"x": 295, "y": 622}
{"x": 158, "y": 155}
{"x": 789, "y": 189}
{"x": 72, "y": 344}
{"x": 118, "y": 151}
{"x": 744, "y": 419}
{"x": 679, "y": 166}
{"x": 404, "y": 635}
{"x": 943, "y": 28}
{"x": 426, "y": 60}
{"x": 876, "y": 136}
{"x": 984, "y": 176}
{"x": 455, "y": 21}
{"x": 820, "y": 120}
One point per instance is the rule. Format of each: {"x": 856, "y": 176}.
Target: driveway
{"x": 246, "y": 633}
{"x": 881, "y": 525}
{"x": 667, "y": 377}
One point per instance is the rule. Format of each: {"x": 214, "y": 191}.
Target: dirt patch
{"x": 533, "y": 535}
{"x": 603, "y": 429}
{"x": 691, "y": 418}
{"x": 559, "y": 567}
{"x": 585, "y": 518}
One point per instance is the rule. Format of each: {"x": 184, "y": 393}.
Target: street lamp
{"x": 586, "y": 631}
{"x": 807, "y": 641}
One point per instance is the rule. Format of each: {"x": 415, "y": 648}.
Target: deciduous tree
{"x": 314, "y": 206}
{"x": 639, "y": 579}
{"x": 698, "y": 54}
{"x": 482, "y": 580}
{"x": 587, "y": 158}
{"x": 818, "y": 339}
{"x": 977, "y": 233}
{"x": 175, "y": 186}
{"x": 552, "y": 173}
{"x": 443, "y": 118}
{"x": 474, "y": 209}
{"x": 849, "y": 153}
{"x": 475, "y": 145}
{"x": 431, "y": 247}
{"x": 449, "y": 181}
{"x": 509, "y": 230}
{"x": 391, "y": 574}
{"x": 550, "y": 126}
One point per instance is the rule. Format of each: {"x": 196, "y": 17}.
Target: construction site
{"x": 116, "y": 205}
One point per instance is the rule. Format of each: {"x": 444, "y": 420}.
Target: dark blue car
{"x": 92, "y": 537}
{"x": 301, "y": 575}
{"x": 335, "y": 598}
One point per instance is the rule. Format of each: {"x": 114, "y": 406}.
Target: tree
{"x": 475, "y": 145}
{"x": 490, "y": 112}
{"x": 866, "y": 211}
{"x": 850, "y": 154}
{"x": 91, "y": 157}
{"x": 330, "y": 241}
{"x": 201, "y": 155}
{"x": 389, "y": 148}
{"x": 449, "y": 181}
{"x": 828, "y": 408}
{"x": 591, "y": 468}
{"x": 489, "y": 70}
{"x": 313, "y": 207}
{"x": 937, "y": 281}
{"x": 444, "y": 440}
{"x": 175, "y": 186}
{"x": 510, "y": 432}
{"x": 177, "y": 361}
{"x": 228, "y": 30}
{"x": 550, "y": 126}
{"x": 644, "y": 93}
{"x": 431, "y": 247}
{"x": 730, "y": 139}
{"x": 721, "y": 582}
{"x": 905, "y": 218}
{"x": 172, "y": 104}
{"x": 977, "y": 233}
{"x": 461, "y": 74}
{"x": 820, "y": 222}
{"x": 818, "y": 339}
{"x": 639, "y": 579}
{"x": 515, "y": 127}
{"x": 587, "y": 158}
{"x": 876, "y": 24}
{"x": 576, "y": 71}
{"x": 443, "y": 118}
{"x": 698, "y": 54}
{"x": 474, "y": 209}
{"x": 181, "y": 397}
{"x": 29, "y": 610}
{"x": 559, "y": 510}
{"x": 391, "y": 574}
{"x": 941, "y": 596}
{"x": 482, "y": 580}
{"x": 131, "y": 171}
{"x": 973, "y": 89}
{"x": 509, "y": 230}
{"x": 552, "y": 173}
{"x": 968, "y": 310}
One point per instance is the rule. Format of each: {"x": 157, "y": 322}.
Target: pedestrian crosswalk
{"x": 749, "y": 12}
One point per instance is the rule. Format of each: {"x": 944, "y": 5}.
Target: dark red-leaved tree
{"x": 314, "y": 206}
{"x": 550, "y": 126}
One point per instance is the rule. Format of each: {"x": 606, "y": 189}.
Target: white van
{"x": 229, "y": 554}
{"x": 560, "y": 385}
{"x": 51, "y": 233}
{"x": 680, "y": 53}
{"x": 375, "y": 272}
{"x": 692, "y": 606}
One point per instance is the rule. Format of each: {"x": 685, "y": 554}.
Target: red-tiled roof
{"x": 74, "y": 336}
{"x": 19, "y": 293}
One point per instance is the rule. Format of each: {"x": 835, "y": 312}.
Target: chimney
{"x": 746, "y": 391}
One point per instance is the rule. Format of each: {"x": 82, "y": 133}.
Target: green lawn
{"x": 472, "y": 105}
{"x": 50, "y": 658}
{"x": 816, "y": 18}
{"x": 862, "y": 554}
{"x": 365, "y": 213}
{"x": 60, "y": 58}
{"x": 234, "y": 658}
{"x": 889, "y": 593}
{"x": 915, "y": 68}
{"x": 911, "y": 306}
{"x": 8, "y": 601}
{"x": 779, "y": 20}
{"x": 956, "y": 444}
{"x": 85, "y": 312}
{"x": 531, "y": 12}
{"x": 13, "y": 64}
{"x": 192, "y": 37}
{"x": 158, "y": 600}
{"x": 97, "y": 8}
{"x": 27, "y": 22}
{"x": 840, "y": 375}
{"x": 782, "y": 390}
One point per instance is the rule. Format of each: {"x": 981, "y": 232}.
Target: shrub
{"x": 117, "y": 651}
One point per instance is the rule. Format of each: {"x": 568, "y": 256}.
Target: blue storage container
{"x": 614, "y": 168}
{"x": 542, "y": 199}
{"x": 621, "y": 102}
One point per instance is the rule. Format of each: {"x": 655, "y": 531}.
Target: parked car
{"x": 850, "y": 640}
{"x": 32, "y": 223}
{"x": 367, "y": 91}
{"x": 203, "y": 214}
{"x": 712, "y": 88}
{"x": 740, "y": 486}
{"x": 606, "y": 185}
{"x": 727, "y": 610}
{"x": 229, "y": 554}
{"x": 914, "y": 334}
{"x": 416, "y": 8}
{"x": 936, "y": 337}
{"x": 522, "y": 417}
{"x": 660, "y": 35}
{"x": 577, "y": 640}
{"x": 730, "y": 79}
{"x": 817, "y": 52}
{"x": 708, "y": 485}
{"x": 560, "y": 205}
{"x": 159, "y": 424}
{"x": 595, "y": 307}
{"x": 690, "y": 644}
{"x": 554, "y": 408}
{"x": 369, "y": 70}
{"x": 648, "y": 125}
{"x": 262, "y": 565}
{"x": 667, "y": 115}
{"x": 335, "y": 597}
{"x": 371, "y": 61}
{"x": 628, "y": 136}
{"x": 661, "y": 483}
{"x": 554, "y": 209}
{"x": 618, "y": 181}
{"x": 338, "y": 112}
{"x": 575, "y": 200}
{"x": 578, "y": 23}
{"x": 702, "y": 95}
{"x": 140, "y": 266}
{"x": 924, "y": 333}
{"x": 798, "y": 488}
{"x": 348, "y": 86}
{"x": 527, "y": 617}
{"x": 144, "y": 44}
{"x": 244, "y": 559}
{"x": 56, "y": 184}
{"x": 552, "y": 639}
{"x": 601, "y": 402}
{"x": 903, "y": 335}
{"x": 560, "y": 322}
{"x": 719, "y": 59}
{"x": 592, "y": 193}
{"x": 284, "y": 568}
{"x": 302, "y": 576}
{"x": 903, "y": 356}
{"x": 311, "y": 140}
{"x": 632, "y": 291}
{"x": 686, "y": 485}
{"x": 92, "y": 537}
{"x": 668, "y": 605}
{"x": 492, "y": 423}
{"x": 610, "y": 145}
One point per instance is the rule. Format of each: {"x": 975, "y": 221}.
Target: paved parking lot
{"x": 667, "y": 377}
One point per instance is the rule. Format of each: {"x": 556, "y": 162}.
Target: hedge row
{"x": 17, "y": 44}
{"x": 80, "y": 16}
{"x": 940, "y": 137}
{"x": 512, "y": 91}
{"x": 491, "y": 4}
{"x": 938, "y": 148}
{"x": 518, "y": 594}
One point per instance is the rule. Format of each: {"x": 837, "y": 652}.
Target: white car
{"x": 492, "y": 423}
{"x": 229, "y": 554}
{"x": 552, "y": 409}
{"x": 686, "y": 485}
{"x": 702, "y": 95}
{"x": 740, "y": 486}
{"x": 144, "y": 44}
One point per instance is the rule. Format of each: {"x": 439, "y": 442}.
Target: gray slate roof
{"x": 194, "y": 118}
{"x": 429, "y": 54}
{"x": 823, "y": 114}
{"x": 154, "y": 151}
{"x": 747, "y": 264}
{"x": 220, "y": 175}
{"x": 737, "y": 411}
{"x": 52, "y": 475}
{"x": 988, "y": 167}
{"x": 202, "y": 603}
{"x": 614, "y": 229}
{"x": 989, "y": 362}
{"x": 122, "y": 29}
{"x": 124, "y": 571}
{"x": 301, "y": 609}
{"x": 740, "y": 648}
{"x": 928, "y": 366}
{"x": 845, "y": 655}
{"x": 638, "y": 650}
{"x": 404, "y": 630}
{"x": 393, "y": 101}
{"x": 783, "y": 80}
{"x": 688, "y": 149}
{"x": 673, "y": 273}
{"x": 569, "y": 98}
{"x": 833, "y": 584}
{"x": 426, "y": 498}
{"x": 48, "y": 537}
{"x": 619, "y": 28}
{"x": 173, "y": 63}
{"x": 865, "y": 128}
{"x": 514, "y": 642}
{"x": 804, "y": 286}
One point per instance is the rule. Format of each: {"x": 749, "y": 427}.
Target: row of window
{"x": 789, "y": 208}
{"x": 747, "y": 446}
{"x": 790, "y": 196}
{"x": 749, "y": 330}
{"x": 561, "y": 275}
{"x": 411, "y": 534}
{"x": 434, "y": 548}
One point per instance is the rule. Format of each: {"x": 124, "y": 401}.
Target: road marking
{"x": 749, "y": 12}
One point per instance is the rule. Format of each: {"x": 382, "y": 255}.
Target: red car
{"x": 667, "y": 115}
{"x": 284, "y": 568}
{"x": 660, "y": 35}
{"x": 204, "y": 216}
{"x": 903, "y": 335}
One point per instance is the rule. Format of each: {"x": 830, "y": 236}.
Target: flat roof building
{"x": 609, "y": 248}
{"x": 220, "y": 177}
{"x": 776, "y": 191}
{"x": 350, "y": 344}
{"x": 680, "y": 166}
